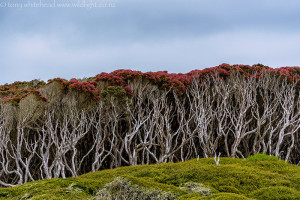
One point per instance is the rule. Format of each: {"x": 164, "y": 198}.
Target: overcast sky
{"x": 145, "y": 35}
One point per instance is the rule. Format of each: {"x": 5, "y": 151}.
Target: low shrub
{"x": 121, "y": 188}
{"x": 192, "y": 187}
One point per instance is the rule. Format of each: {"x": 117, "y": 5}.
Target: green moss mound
{"x": 227, "y": 196}
{"x": 261, "y": 157}
{"x": 232, "y": 179}
{"x": 218, "y": 196}
{"x": 279, "y": 192}
{"x": 229, "y": 189}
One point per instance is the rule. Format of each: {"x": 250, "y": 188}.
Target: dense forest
{"x": 65, "y": 128}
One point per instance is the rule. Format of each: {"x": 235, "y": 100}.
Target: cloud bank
{"x": 173, "y": 35}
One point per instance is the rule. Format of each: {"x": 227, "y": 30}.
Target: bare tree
{"x": 239, "y": 110}
{"x": 7, "y": 166}
{"x": 289, "y": 124}
{"x": 17, "y": 154}
{"x": 202, "y": 107}
{"x": 106, "y": 136}
{"x": 264, "y": 110}
{"x": 62, "y": 137}
{"x": 221, "y": 92}
{"x": 139, "y": 112}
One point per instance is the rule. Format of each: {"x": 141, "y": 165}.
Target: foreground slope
{"x": 254, "y": 178}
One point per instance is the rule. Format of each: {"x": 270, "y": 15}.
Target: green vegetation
{"x": 258, "y": 177}
{"x": 114, "y": 91}
{"x": 261, "y": 157}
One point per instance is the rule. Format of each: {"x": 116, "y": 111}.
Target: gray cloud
{"x": 146, "y": 35}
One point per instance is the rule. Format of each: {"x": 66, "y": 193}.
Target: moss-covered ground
{"x": 232, "y": 179}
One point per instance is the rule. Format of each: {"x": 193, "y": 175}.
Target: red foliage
{"x": 61, "y": 81}
{"x": 89, "y": 88}
{"x": 17, "y": 91}
{"x": 178, "y": 82}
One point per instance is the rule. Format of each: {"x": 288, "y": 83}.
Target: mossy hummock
{"x": 232, "y": 179}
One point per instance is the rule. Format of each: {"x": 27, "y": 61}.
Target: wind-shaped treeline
{"x": 67, "y": 128}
